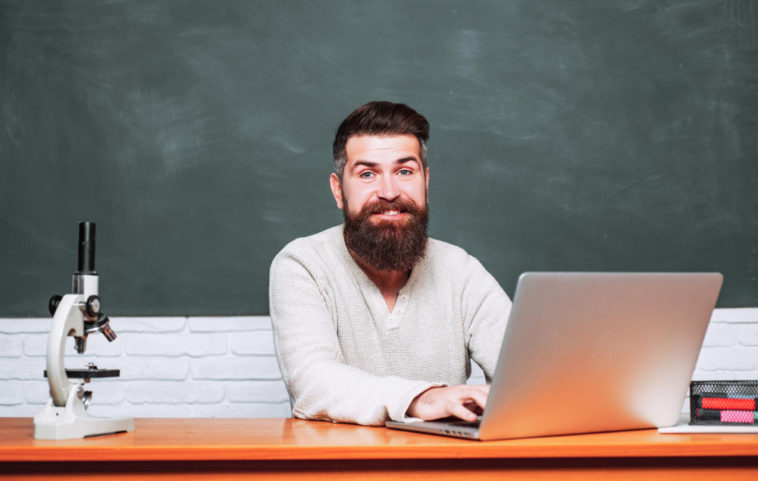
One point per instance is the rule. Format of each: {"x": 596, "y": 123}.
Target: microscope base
{"x": 73, "y": 422}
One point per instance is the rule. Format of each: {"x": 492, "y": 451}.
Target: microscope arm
{"x": 68, "y": 320}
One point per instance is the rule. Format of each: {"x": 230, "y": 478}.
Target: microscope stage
{"x": 90, "y": 373}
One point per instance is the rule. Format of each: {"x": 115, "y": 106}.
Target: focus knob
{"x": 52, "y": 306}
{"x": 92, "y": 306}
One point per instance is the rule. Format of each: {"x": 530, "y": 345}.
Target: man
{"x": 372, "y": 319}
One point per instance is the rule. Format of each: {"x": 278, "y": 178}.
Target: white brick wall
{"x": 170, "y": 367}
{"x": 225, "y": 366}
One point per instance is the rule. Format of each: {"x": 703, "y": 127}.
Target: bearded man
{"x": 372, "y": 319}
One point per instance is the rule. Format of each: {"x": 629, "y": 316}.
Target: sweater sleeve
{"x": 320, "y": 384}
{"x": 486, "y": 308}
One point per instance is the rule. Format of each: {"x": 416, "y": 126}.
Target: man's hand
{"x": 462, "y": 401}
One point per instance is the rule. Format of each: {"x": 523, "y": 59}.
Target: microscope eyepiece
{"x": 86, "y": 264}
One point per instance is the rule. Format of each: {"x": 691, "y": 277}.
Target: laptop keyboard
{"x": 465, "y": 424}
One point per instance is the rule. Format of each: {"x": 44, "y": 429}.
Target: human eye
{"x": 405, "y": 171}
{"x": 366, "y": 174}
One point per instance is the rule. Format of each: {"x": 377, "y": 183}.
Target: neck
{"x": 388, "y": 282}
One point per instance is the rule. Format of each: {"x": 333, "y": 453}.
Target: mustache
{"x": 381, "y": 205}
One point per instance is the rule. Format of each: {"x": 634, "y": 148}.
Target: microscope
{"x": 77, "y": 315}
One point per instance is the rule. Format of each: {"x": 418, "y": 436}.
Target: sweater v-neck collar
{"x": 370, "y": 290}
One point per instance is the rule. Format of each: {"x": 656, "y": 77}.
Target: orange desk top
{"x": 292, "y": 439}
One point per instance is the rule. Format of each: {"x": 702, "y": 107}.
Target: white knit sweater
{"x": 345, "y": 357}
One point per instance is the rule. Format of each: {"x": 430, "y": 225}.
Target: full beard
{"x": 387, "y": 245}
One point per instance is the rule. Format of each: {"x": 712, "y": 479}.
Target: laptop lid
{"x": 587, "y": 352}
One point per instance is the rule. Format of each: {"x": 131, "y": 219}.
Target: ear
{"x": 427, "y": 185}
{"x": 336, "y": 185}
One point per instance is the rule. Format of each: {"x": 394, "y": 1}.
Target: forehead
{"x": 377, "y": 148}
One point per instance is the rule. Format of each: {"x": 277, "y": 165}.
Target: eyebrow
{"x": 368, "y": 163}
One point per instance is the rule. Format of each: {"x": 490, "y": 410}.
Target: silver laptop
{"x": 589, "y": 352}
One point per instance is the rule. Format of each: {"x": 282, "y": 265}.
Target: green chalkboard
{"x": 566, "y": 135}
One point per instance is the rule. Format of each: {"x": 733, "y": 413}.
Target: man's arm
{"x": 320, "y": 383}
{"x": 486, "y": 308}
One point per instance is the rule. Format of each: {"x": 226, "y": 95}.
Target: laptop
{"x": 591, "y": 352}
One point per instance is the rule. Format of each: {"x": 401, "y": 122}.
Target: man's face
{"x": 381, "y": 168}
{"x": 383, "y": 194}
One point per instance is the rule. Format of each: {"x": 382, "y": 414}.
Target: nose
{"x": 387, "y": 189}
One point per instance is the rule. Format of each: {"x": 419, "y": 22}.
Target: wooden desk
{"x": 288, "y": 448}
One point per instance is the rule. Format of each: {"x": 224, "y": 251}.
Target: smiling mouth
{"x": 391, "y": 212}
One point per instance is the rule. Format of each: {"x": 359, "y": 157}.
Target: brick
{"x": 185, "y": 392}
{"x": 747, "y": 335}
{"x": 20, "y": 411}
{"x": 25, "y": 325}
{"x": 728, "y": 359}
{"x": 154, "y": 369}
{"x": 37, "y": 392}
{"x": 738, "y": 315}
{"x": 11, "y": 345}
{"x": 148, "y": 324}
{"x": 257, "y": 391}
{"x": 720, "y": 335}
{"x": 254, "y": 367}
{"x": 154, "y": 345}
{"x": 243, "y": 410}
{"x": 253, "y": 343}
{"x": 35, "y": 345}
{"x": 184, "y": 344}
{"x": 703, "y": 375}
{"x": 11, "y": 393}
{"x": 229, "y": 324}
{"x": 22, "y": 369}
{"x": 101, "y": 410}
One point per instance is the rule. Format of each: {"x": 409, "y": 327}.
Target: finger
{"x": 479, "y": 397}
{"x": 474, "y": 395}
{"x": 459, "y": 410}
{"x": 473, "y": 407}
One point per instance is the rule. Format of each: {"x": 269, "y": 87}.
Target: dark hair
{"x": 379, "y": 118}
